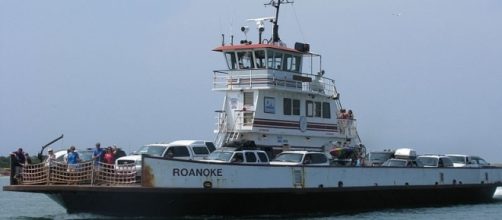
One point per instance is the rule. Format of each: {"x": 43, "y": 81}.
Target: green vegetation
{"x": 4, "y": 162}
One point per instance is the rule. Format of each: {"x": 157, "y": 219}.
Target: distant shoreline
{"x": 4, "y": 172}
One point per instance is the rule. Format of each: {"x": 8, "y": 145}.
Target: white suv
{"x": 435, "y": 161}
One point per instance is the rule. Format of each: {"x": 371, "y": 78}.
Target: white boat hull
{"x": 159, "y": 172}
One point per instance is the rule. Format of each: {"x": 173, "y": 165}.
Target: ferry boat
{"x": 276, "y": 99}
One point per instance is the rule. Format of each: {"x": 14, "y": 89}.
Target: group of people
{"x": 19, "y": 159}
{"x": 72, "y": 157}
{"x": 344, "y": 114}
{"x": 107, "y": 155}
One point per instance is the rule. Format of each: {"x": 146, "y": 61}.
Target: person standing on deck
{"x": 98, "y": 154}
{"x": 108, "y": 157}
{"x": 73, "y": 159}
{"x": 17, "y": 162}
{"x": 51, "y": 157}
{"x": 117, "y": 153}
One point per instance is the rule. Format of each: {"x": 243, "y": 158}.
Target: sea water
{"x": 16, "y": 205}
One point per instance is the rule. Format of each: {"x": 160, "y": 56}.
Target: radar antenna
{"x": 277, "y": 4}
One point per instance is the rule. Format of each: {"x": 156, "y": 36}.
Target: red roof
{"x": 254, "y": 46}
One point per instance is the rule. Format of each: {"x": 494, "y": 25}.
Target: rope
{"x": 54, "y": 172}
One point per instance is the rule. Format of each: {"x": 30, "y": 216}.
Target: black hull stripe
{"x": 268, "y": 123}
{"x": 152, "y": 201}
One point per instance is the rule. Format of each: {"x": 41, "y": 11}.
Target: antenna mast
{"x": 277, "y": 4}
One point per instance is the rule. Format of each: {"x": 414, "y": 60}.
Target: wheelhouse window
{"x": 245, "y": 60}
{"x": 295, "y": 63}
{"x": 260, "y": 59}
{"x": 287, "y": 62}
{"x": 274, "y": 60}
{"x": 231, "y": 60}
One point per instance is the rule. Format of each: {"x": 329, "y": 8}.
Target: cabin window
{"x": 269, "y": 105}
{"x": 296, "y": 107}
{"x": 291, "y": 106}
{"x": 250, "y": 157}
{"x": 260, "y": 59}
{"x": 326, "y": 110}
{"x": 245, "y": 60}
{"x": 231, "y": 60}
{"x": 318, "y": 109}
{"x": 309, "y": 109}
{"x": 287, "y": 106}
{"x": 248, "y": 119}
{"x": 248, "y": 99}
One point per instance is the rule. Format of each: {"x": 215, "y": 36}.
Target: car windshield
{"x": 457, "y": 159}
{"x": 428, "y": 161}
{"x": 151, "y": 150}
{"x": 480, "y": 161}
{"x": 289, "y": 157}
{"x": 395, "y": 163}
{"x": 220, "y": 155}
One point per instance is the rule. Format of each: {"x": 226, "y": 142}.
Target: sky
{"x": 425, "y": 74}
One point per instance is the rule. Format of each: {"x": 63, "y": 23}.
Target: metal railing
{"x": 348, "y": 126}
{"x": 266, "y": 79}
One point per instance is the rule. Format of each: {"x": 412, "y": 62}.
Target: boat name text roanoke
{"x": 197, "y": 172}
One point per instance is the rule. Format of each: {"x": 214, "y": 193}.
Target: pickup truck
{"x": 183, "y": 149}
{"x": 307, "y": 158}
